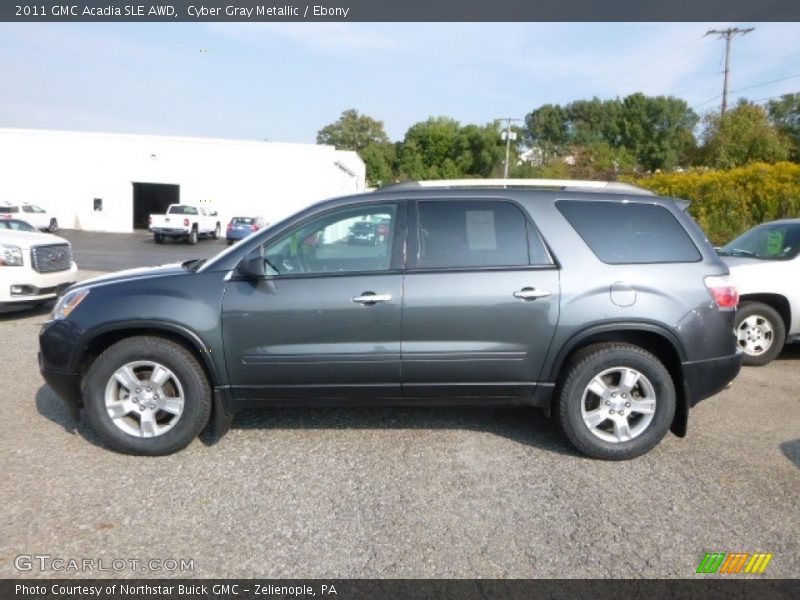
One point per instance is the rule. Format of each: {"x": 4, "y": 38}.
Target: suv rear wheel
{"x": 760, "y": 333}
{"x": 147, "y": 395}
{"x": 616, "y": 401}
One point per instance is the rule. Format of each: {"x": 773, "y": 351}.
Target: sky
{"x": 283, "y": 82}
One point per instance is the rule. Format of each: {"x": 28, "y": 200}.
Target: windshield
{"x": 15, "y": 225}
{"x": 182, "y": 210}
{"x": 770, "y": 241}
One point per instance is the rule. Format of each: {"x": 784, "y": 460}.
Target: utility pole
{"x": 508, "y": 135}
{"x": 728, "y": 34}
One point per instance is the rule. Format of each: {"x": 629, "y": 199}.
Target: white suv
{"x": 34, "y": 268}
{"x": 765, "y": 263}
{"x": 35, "y": 215}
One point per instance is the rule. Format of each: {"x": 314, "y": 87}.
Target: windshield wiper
{"x": 737, "y": 252}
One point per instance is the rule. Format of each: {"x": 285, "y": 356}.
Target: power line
{"x": 728, "y": 34}
{"x": 749, "y": 87}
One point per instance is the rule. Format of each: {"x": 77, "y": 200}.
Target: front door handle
{"x": 371, "y": 298}
{"x": 529, "y": 293}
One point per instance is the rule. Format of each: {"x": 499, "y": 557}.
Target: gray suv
{"x": 598, "y": 302}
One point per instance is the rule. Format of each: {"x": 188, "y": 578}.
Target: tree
{"x": 547, "y": 128}
{"x": 440, "y": 148}
{"x": 742, "y": 136}
{"x": 380, "y": 160}
{"x": 479, "y": 151}
{"x": 784, "y": 113}
{"x": 657, "y": 130}
{"x": 594, "y": 121}
{"x": 353, "y": 131}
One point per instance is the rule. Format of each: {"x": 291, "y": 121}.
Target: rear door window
{"x": 630, "y": 232}
{"x": 476, "y": 234}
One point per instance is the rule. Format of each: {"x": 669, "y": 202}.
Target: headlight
{"x": 67, "y": 303}
{"x": 10, "y": 256}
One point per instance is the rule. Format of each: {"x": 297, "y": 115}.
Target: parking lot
{"x": 393, "y": 492}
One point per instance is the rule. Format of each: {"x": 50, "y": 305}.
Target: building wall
{"x": 64, "y": 172}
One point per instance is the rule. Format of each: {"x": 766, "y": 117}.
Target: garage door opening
{"x": 151, "y": 198}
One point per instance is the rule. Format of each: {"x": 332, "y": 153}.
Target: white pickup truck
{"x": 186, "y": 222}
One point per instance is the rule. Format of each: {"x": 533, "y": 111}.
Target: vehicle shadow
{"x": 50, "y": 406}
{"x": 791, "y": 450}
{"x": 42, "y": 310}
{"x": 790, "y": 352}
{"x": 523, "y": 425}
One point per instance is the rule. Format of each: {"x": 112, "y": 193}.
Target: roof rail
{"x": 567, "y": 185}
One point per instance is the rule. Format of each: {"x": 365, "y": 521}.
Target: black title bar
{"x": 395, "y": 589}
{"x": 404, "y": 10}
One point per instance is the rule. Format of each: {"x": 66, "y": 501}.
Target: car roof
{"x": 568, "y": 185}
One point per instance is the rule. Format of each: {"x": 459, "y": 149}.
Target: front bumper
{"x": 21, "y": 287}
{"x": 66, "y": 385}
{"x": 704, "y": 378}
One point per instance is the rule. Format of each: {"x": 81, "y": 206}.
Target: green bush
{"x": 727, "y": 203}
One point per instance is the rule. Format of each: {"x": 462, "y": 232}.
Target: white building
{"x": 112, "y": 182}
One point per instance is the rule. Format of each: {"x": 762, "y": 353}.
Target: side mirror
{"x": 252, "y": 266}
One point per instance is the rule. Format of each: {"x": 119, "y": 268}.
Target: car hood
{"x": 744, "y": 263}
{"x": 27, "y": 239}
{"x": 132, "y": 275}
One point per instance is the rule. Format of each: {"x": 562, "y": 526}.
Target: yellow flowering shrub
{"x": 727, "y": 203}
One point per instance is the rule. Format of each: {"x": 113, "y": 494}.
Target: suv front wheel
{"x": 616, "y": 402}
{"x": 147, "y": 395}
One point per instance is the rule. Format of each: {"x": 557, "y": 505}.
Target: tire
{"x": 230, "y": 242}
{"x": 602, "y": 368}
{"x": 191, "y": 239}
{"x": 127, "y": 433}
{"x": 53, "y": 227}
{"x": 760, "y": 333}
{"x": 217, "y": 231}
{"x": 159, "y": 238}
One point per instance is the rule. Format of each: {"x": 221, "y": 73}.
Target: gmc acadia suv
{"x": 598, "y": 302}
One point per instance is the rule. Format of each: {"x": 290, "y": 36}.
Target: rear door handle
{"x": 371, "y": 298}
{"x": 529, "y": 293}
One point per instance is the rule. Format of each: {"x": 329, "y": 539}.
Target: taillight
{"x": 253, "y": 227}
{"x": 722, "y": 290}
{"x": 230, "y": 226}
{"x": 186, "y": 222}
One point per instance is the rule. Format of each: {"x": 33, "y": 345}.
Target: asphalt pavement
{"x": 96, "y": 251}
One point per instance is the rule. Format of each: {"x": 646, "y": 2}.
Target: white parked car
{"x": 35, "y": 215}
{"x": 185, "y": 222}
{"x": 34, "y": 268}
{"x": 765, "y": 263}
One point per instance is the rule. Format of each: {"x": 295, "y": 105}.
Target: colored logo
{"x": 735, "y": 562}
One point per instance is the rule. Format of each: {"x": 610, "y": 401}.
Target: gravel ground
{"x": 440, "y": 492}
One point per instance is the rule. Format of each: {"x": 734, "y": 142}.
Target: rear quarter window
{"x": 630, "y": 232}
